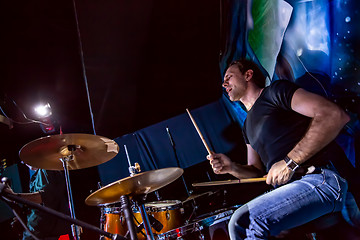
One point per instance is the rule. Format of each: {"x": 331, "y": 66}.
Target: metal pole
{"x": 74, "y": 228}
{"x": 125, "y": 206}
{"x": 146, "y": 222}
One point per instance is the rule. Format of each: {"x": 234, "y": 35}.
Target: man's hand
{"x": 279, "y": 174}
{"x": 220, "y": 163}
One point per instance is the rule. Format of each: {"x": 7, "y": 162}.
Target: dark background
{"x": 145, "y": 61}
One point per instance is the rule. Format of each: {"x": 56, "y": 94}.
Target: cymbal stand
{"x": 126, "y": 208}
{"x": 65, "y": 160}
{"x": 147, "y": 226}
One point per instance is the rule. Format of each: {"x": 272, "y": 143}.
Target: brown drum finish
{"x": 113, "y": 221}
{"x": 169, "y": 213}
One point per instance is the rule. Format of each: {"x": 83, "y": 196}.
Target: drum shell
{"x": 113, "y": 221}
{"x": 168, "y": 212}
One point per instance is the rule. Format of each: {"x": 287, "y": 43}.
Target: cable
{"x": 17, "y": 122}
{"x": 83, "y": 67}
{"x": 29, "y": 119}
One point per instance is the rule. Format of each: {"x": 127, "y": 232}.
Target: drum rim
{"x": 176, "y": 205}
{"x": 108, "y": 210}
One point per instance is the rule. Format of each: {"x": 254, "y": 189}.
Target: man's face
{"x": 234, "y": 83}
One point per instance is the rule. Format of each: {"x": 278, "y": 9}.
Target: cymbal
{"x": 88, "y": 150}
{"x": 225, "y": 182}
{"x": 193, "y": 196}
{"x": 142, "y": 183}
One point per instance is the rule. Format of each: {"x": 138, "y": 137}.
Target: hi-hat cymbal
{"x": 193, "y": 196}
{"x": 88, "y": 150}
{"x": 142, "y": 183}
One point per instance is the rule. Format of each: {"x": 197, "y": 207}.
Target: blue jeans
{"x": 288, "y": 206}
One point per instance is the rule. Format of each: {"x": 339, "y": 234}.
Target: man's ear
{"x": 249, "y": 74}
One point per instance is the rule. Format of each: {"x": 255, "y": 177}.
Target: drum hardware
{"x": 132, "y": 169}
{"x": 192, "y": 213}
{"x": 201, "y": 228}
{"x": 135, "y": 187}
{"x": 125, "y": 206}
{"x": 68, "y": 152}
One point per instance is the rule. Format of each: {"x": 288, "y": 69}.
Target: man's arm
{"x": 222, "y": 164}
{"x": 327, "y": 121}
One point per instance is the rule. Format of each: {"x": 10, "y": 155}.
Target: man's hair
{"x": 244, "y": 65}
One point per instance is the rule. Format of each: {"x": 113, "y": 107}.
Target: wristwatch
{"x": 291, "y": 164}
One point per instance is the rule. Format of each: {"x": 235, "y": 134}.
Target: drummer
{"x": 47, "y": 188}
{"x": 290, "y": 136}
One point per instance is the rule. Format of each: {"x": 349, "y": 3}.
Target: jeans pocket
{"x": 337, "y": 187}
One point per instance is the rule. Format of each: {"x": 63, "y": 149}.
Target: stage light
{"x": 43, "y": 111}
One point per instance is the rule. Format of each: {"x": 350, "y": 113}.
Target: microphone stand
{"x": 177, "y": 159}
{"x": 7, "y": 196}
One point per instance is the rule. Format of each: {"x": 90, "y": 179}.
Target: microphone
{"x": 156, "y": 224}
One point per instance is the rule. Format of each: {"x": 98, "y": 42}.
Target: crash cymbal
{"x": 194, "y": 196}
{"x": 142, "y": 183}
{"x": 88, "y": 150}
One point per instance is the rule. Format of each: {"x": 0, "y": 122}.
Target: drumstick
{"x": 198, "y": 130}
{"x": 248, "y": 180}
{"x": 224, "y": 182}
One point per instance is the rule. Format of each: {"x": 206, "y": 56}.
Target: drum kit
{"x": 123, "y": 208}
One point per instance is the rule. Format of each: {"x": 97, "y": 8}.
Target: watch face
{"x": 291, "y": 164}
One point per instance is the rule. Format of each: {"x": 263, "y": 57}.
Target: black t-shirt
{"x": 272, "y": 128}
